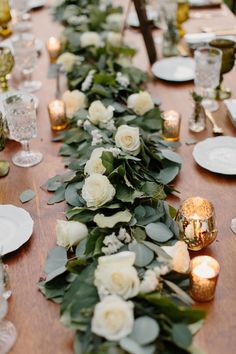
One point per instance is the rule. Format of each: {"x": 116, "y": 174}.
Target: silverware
{"x": 216, "y": 129}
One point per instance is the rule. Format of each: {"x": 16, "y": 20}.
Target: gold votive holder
{"x": 171, "y": 125}
{"x": 54, "y": 49}
{"x": 57, "y": 115}
{"x": 204, "y": 272}
{"x": 196, "y": 222}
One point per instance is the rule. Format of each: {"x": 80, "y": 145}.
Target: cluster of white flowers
{"x": 77, "y": 20}
{"x": 115, "y": 21}
{"x": 122, "y": 79}
{"x": 90, "y": 39}
{"x": 162, "y": 270}
{"x": 103, "y": 4}
{"x": 97, "y": 137}
{"x": 74, "y": 101}
{"x": 86, "y": 84}
{"x": 67, "y": 60}
{"x": 123, "y": 235}
{"x": 114, "y": 38}
{"x": 180, "y": 256}
{"x": 112, "y": 244}
{"x": 109, "y": 125}
{"x": 87, "y": 123}
{"x": 150, "y": 282}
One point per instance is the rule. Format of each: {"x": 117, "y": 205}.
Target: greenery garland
{"x": 119, "y": 272}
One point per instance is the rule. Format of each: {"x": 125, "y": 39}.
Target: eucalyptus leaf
{"x": 143, "y": 254}
{"x": 181, "y": 335}
{"x": 131, "y": 346}
{"x": 59, "y": 195}
{"x": 172, "y": 156}
{"x": 27, "y": 195}
{"x": 56, "y": 259}
{"x": 145, "y": 330}
{"x": 159, "y": 232}
{"x": 110, "y": 221}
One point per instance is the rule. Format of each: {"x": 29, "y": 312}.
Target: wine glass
{"x": 20, "y": 9}
{"x": 21, "y": 119}
{"x": 7, "y": 329}
{"x": 25, "y": 53}
{"x": 6, "y": 65}
{"x": 228, "y": 48}
{"x": 5, "y": 17}
{"x": 207, "y": 74}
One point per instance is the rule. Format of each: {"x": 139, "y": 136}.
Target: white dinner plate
{"x": 133, "y": 21}
{"x": 217, "y": 154}
{"x": 35, "y": 4}
{"x": 16, "y": 227}
{"x": 176, "y": 69}
{"x": 208, "y": 3}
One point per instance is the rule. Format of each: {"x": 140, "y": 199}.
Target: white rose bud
{"x": 67, "y": 60}
{"x": 127, "y": 138}
{"x": 70, "y": 233}
{"x": 140, "y": 103}
{"x": 114, "y": 38}
{"x": 113, "y": 318}
{"x": 117, "y": 275}
{"x": 74, "y": 101}
{"x": 98, "y": 113}
{"x": 90, "y": 38}
{"x": 97, "y": 190}
{"x": 180, "y": 256}
{"x": 94, "y": 164}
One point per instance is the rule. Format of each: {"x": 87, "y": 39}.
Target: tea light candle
{"x": 171, "y": 125}
{"x": 56, "y": 110}
{"x": 203, "y": 278}
{"x": 54, "y": 48}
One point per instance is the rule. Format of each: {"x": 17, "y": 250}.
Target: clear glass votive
{"x": 54, "y": 49}
{"x": 196, "y": 222}
{"x": 57, "y": 115}
{"x": 204, "y": 272}
{"x": 171, "y": 125}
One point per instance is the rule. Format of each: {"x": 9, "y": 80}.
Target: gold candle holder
{"x": 54, "y": 49}
{"x": 57, "y": 115}
{"x": 204, "y": 272}
{"x": 196, "y": 221}
{"x": 171, "y": 125}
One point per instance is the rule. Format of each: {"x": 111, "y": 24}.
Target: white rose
{"x": 116, "y": 275}
{"x": 98, "y": 113}
{"x": 113, "y": 318}
{"x": 74, "y": 101}
{"x": 115, "y": 21}
{"x": 180, "y": 256}
{"x": 94, "y": 164}
{"x": 90, "y": 38}
{"x": 127, "y": 138}
{"x": 140, "y": 103}
{"x": 67, "y": 60}
{"x": 97, "y": 190}
{"x": 114, "y": 38}
{"x": 70, "y": 233}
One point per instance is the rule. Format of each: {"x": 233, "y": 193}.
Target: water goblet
{"x": 20, "y": 9}
{"x": 6, "y": 65}
{"x": 207, "y": 74}
{"x": 5, "y": 17}
{"x": 21, "y": 119}
{"x": 25, "y": 52}
{"x": 228, "y": 48}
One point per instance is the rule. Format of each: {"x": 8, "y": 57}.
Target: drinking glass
{"x": 21, "y": 8}
{"x": 207, "y": 74}
{"x": 21, "y": 119}
{"x": 168, "y": 13}
{"x": 228, "y": 48}
{"x": 7, "y": 329}
{"x": 25, "y": 53}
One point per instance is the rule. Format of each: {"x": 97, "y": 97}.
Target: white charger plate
{"x": 217, "y": 154}
{"x": 16, "y": 227}
{"x": 176, "y": 69}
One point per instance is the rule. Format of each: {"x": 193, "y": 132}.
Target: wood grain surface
{"x": 36, "y": 319}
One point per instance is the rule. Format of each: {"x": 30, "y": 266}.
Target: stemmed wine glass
{"x": 7, "y": 329}
{"x": 21, "y": 118}
{"x": 21, "y": 8}
{"x": 25, "y": 53}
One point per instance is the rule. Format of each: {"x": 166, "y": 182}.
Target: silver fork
{"x": 216, "y": 129}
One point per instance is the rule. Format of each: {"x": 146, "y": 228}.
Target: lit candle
{"x": 54, "y": 48}
{"x": 56, "y": 110}
{"x": 171, "y": 125}
{"x": 203, "y": 278}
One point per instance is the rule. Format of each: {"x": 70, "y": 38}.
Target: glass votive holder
{"x": 57, "y": 115}
{"x": 171, "y": 125}
{"x": 204, "y": 272}
{"x": 196, "y": 222}
{"x": 54, "y": 49}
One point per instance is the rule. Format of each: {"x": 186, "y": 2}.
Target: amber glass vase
{"x": 182, "y": 15}
{"x": 5, "y": 17}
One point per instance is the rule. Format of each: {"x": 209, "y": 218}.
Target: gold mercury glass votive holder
{"x": 171, "y": 125}
{"x": 54, "y": 49}
{"x": 196, "y": 222}
{"x": 57, "y": 115}
{"x": 204, "y": 272}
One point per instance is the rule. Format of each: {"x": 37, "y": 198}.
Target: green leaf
{"x": 126, "y": 194}
{"x": 145, "y": 330}
{"x": 159, "y": 232}
{"x": 195, "y": 327}
{"x": 59, "y": 195}
{"x": 100, "y": 90}
{"x": 108, "y": 161}
{"x": 168, "y": 174}
{"x": 158, "y": 250}
{"x": 71, "y": 194}
{"x": 139, "y": 234}
{"x": 27, "y": 195}
{"x": 143, "y": 255}
{"x": 110, "y": 221}
{"x": 57, "y": 257}
{"x": 181, "y": 293}
{"x": 131, "y": 346}
{"x": 181, "y": 335}
{"x": 172, "y": 156}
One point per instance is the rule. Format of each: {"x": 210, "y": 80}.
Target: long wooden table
{"x": 36, "y": 319}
